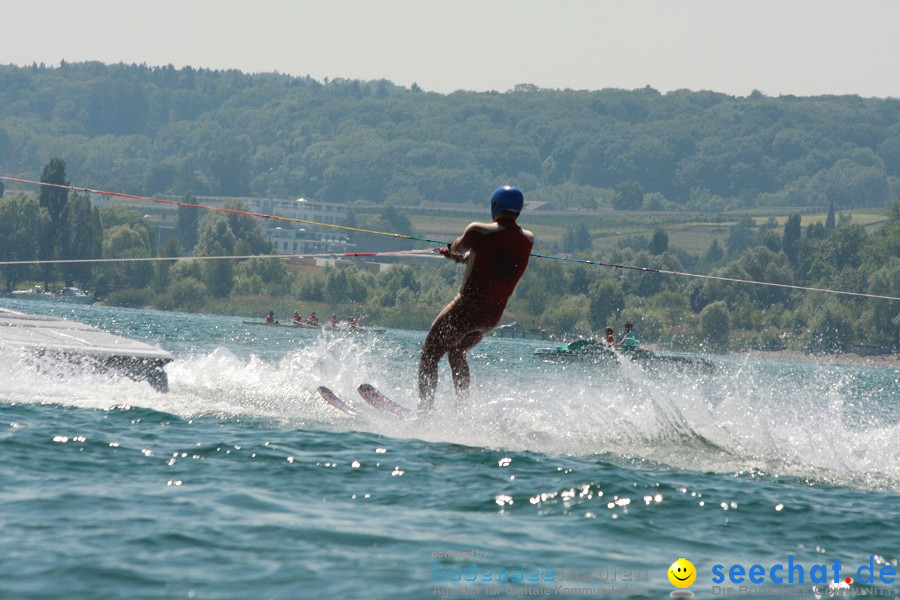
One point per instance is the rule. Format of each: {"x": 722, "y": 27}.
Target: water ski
{"x": 333, "y": 399}
{"x": 379, "y": 401}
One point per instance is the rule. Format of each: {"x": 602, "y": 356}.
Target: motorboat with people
{"x": 598, "y": 351}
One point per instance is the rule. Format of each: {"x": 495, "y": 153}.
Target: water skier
{"x": 495, "y": 255}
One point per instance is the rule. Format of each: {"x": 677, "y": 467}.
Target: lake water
{"x": 549, "y": 480}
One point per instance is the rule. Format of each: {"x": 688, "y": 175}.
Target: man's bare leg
{"x": 455, "y": 330}
{"x": 439, "y": 340}
{"x": 428, "y": 376}
{"x": 459, "y": 367}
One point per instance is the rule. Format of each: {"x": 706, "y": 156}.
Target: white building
{"x": 303, "y": 238}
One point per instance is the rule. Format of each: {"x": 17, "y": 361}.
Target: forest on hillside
{"x": 153, "y": 130}
{"x": 160, "y": 130}
{"x": 568, "y": 299}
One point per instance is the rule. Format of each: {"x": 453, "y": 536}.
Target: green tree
{"x": 231, "y": 173}
{"x": 247, "y": 229}
{"x": 790, "y": 241}
{"x": 261, "y": 276}
{"x": 23, "y": 221}
{"x": 830, "y": 328}
{"x": 111, "y": 216}
{"x": 335, "y": 286}
{"x": 714, "y": 254}
{"x": 310, "y": 287}
{"x": 187, "y": 179}
{"x": 741, "y": 235}
{"x": 160, "y": 178}
{"x": 659, "y": 243}
{"x": 188, "y": 224}
{"x": 389, "y": 284}
{"x": 220, "y": 233}
{"x": 566, "y": 314}
{"x": 606, "y": 299}
{"x": 576, "y": 239}
{"x": 216, "y": 239}
{"x": 53, "y": 197}
{"x": 885, "y": 313}
{"x": 170, "y": 249}
{"x": 227, "y": 234}
{"x": 125, "y": 242}
{"x": 218, "y": 276}
{"x": 397, "y": 221}
{"x": 772, "y": 241}
{"x": 629, "y": 196}
{"x": 390, "y": 220}
{"x": 188, "y": 294}
{"x": 5, "y": 152}
{"x": 81, "y": 237}
{"x": 715, "y": 324}
{"x": 829, "y": 220}
{"x": 672, "y": 305}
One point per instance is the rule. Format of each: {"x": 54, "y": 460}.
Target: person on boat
{"x": 629, "y": 340}
{"x": 270, "y": 318}
{"x": 352, "y": 322}
{"x": 496, "y": 255}
{"x": 297, "y": 318}
{"x": 333, "y": 321}
{"x": 610, "y": 337}
{"x": 312, "y": 319}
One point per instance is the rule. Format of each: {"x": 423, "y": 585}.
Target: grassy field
{"x": 691, "y": 232}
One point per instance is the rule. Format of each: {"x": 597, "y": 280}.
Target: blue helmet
{"x": 507, "y": 198}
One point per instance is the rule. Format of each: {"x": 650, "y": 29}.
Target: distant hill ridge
{"x": 153, "y": 130}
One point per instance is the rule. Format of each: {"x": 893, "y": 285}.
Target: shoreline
{"x": 882, "y": 361}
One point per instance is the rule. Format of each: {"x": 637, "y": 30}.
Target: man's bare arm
{"x": 464, "y": 243}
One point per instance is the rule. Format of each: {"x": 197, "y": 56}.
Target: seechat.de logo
{"x": 682, "y": 574}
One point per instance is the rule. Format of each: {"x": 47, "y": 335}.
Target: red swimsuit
{"x": 500, "y": 259}
{"x": 496, "y": 263}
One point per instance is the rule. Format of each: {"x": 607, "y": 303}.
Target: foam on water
{"x": 837, "y": 425}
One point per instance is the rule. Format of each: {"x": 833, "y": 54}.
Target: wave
{"x": 826, "y": 424}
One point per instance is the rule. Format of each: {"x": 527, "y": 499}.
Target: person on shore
{"x": 496, "y": 255}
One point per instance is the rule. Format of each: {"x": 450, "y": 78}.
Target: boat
{"x": 594, "y": 351}
{"x": 85, "y": 345}
{"x": 516, "y": 330}
{"x": 70, "y": 295}
{"x": 340, "y": 328}
{"x": 288, "y": 324}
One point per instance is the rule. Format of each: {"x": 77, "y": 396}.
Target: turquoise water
{"x": 573, "y": 479}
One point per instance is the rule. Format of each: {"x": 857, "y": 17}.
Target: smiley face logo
{"x": 682, "y": 573}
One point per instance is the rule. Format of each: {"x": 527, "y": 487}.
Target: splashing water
{"x": 833, "y": 424}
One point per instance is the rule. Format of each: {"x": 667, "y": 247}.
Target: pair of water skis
{"x": 371, "y": 395}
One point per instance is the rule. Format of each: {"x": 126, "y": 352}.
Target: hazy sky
{"x": 802, "y": 47}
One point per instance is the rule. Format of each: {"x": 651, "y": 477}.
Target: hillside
{"x": 151, "y": 130}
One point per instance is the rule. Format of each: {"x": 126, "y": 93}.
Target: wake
{"x": 829, "y": 424}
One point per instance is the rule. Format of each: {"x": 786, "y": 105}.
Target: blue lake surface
{"x": 552, "y": 480}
